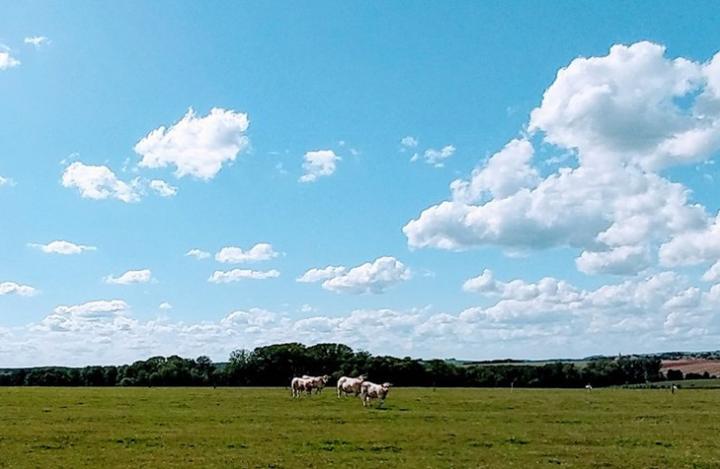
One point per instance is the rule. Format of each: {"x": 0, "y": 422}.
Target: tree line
{"x": 275, "y": 365}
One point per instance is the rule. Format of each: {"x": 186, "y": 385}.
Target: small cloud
{"x": 62, "y": 247}
{"x": 408, "y": 142}
{"x": 236, "y": 275}
{"x": 130, "y": 277}
{"x": 162, "y": 188}
{"x": 7, "y": 61}
{"x": 235, "y": 255}
{"x": 4, "y": 181}
{"x": 198, "y": 254}
{"x": 165, "y": 306}
{"x": 318, "y": 164}
{"x": 37, "y": 41}
{"x": 12, "y": 288}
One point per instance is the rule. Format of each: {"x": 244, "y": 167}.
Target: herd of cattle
{"x": 346, "y": 386}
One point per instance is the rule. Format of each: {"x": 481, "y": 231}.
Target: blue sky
{"x": 472, "y": 202}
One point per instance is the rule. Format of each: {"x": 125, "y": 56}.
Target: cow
{"x": 298, "y": 385}
{"x": 371, "y": 391}
{"x": 588, "y": 387}
{"x": 347, "y": 385}
{"x": 318, "y": 382}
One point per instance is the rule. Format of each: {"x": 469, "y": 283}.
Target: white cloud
{"x": 235, "y": 255}
{"x": 317, "y": 164}
{"x": 37, "y": 41}
{"x": 198, "y": 254}
{"x": 409, "y": 142}
{"x": 12, "y": 288}
{"x": 99, "y": 182}
{"x": 236, "y": 275}
{"x": 130, "y": 277}
{"x": 316, "y": 274}
{"x": 544, "y": 319}
{"x": 7, "y": 61}
{"x": 713, "y": 273}
{"x": 437, "y": 157}
{"x": 196, "y": 146}
{"x": 4, "y": 181}
{"x": 620, "y": 260}
{"x": 101, "y": 318}
{"x": 693, "y": 246}
{"x": 371, "y": 277}
{"x": 623, "y": 117}
{"x": 62, "y": 247}
{"x": 505, "y": 173}
{"x": 165, "y": 306}
{"x": 162, "y": 188}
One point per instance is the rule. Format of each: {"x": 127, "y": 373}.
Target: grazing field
{"x": 251, "y": 427}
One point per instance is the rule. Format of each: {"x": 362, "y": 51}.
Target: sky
{"x": 457, "y": 179}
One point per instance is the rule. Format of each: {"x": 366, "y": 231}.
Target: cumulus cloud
{"x": 165, "y": 306}
{"x": 162, "y": 188}
{"x": 545, "y": 318}
{"x": 198, "y": 254}
{"x": 693, "y": 246}
{"x": 130, "y": 277}
{"x": 236, "y": 255}
{"x": 236, "y": 275}
{"x": 12, "y": 288}
{"x": 371, "y": 277}
{"x": 37, "y": 41}
{"x": 99, "y": 182}
{"x": 318, "y": 164}
{"x": 102, "y": 317}
{"x": 626, "y": 116}
{"x": 196, "y": 146}
{"x": 620, "y": 260}
{"x": 505, "y": 173}
{"x": 7, "y": 61}
{"x": 62, "y": 247}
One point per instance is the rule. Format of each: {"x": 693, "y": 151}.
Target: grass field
{"x": 443, "y": 428}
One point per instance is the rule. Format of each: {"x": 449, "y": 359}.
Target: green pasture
{"x": 419, "y": 428}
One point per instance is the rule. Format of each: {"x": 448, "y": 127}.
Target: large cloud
{"x": 371, "y": 277}
{"x": 196, "y": 146}
{"x": 626, "y": 116}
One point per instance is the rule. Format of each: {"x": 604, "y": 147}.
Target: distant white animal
{"x": 673, "y": 388}
{"x": 300, "y": 385}
{"x": 370, "y": 391}
{"x": 318, "y": 383}
{"x": 347, "y": 385}
{"x": 588, "y": 387}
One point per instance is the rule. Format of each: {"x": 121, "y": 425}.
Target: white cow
{"x": 318, "y": 382}
{"x": 588, "y": 387}
{"x": 298, "y": 385}
{"x": 369, "y": 391}
{"x": 347, "y": 385}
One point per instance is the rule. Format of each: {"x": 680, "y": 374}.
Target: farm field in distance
{"x": 419, "y": 427}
